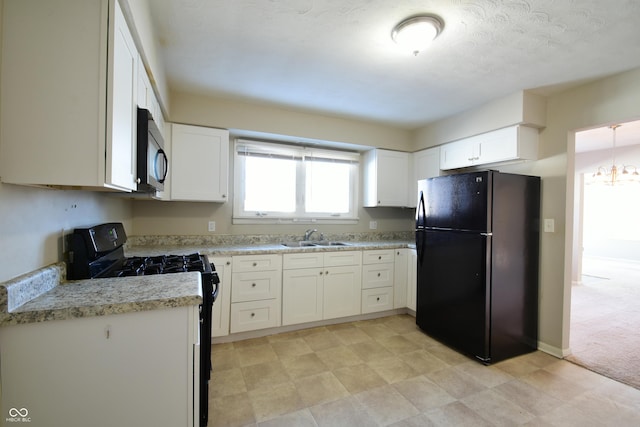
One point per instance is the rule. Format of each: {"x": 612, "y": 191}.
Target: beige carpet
{"x": 605, "y": 319}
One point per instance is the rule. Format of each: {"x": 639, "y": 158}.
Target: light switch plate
{"x": 212, "y": 226}
{"x": 549, "y": 225}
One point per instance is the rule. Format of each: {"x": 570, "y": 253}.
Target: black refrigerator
{"x": 477, "y": 241}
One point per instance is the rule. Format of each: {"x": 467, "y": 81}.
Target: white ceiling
{"x": 627, "y": 133}
{"x": 336, "y": 57}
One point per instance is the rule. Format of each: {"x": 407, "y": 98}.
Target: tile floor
{"x": 386, "y": 372}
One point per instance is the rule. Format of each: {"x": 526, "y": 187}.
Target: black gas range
{"x": 98, "y": 252}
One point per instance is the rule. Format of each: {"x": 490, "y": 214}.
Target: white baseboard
{"x": 554, "y": 351}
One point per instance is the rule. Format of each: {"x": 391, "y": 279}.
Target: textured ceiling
{"x": 336, "y": 56}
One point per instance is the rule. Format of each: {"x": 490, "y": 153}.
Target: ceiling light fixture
{"x": 417, "y": 32}
{"x": 616, "y": 174}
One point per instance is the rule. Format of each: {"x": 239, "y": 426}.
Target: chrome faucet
{"x": 309, "y": 232}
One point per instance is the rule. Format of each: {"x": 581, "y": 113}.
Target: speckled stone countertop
{"x": 46, "y": 295}
{"x": 230, "y": 245}
{"x": 259, "y": 249}
{"x": 92, "y": 297}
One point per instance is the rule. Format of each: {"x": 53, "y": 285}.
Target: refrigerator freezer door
{"x": 453, "y": 293}
{"x": 458, "y": 202}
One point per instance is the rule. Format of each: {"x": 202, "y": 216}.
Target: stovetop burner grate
{"x": 161, "y": 264}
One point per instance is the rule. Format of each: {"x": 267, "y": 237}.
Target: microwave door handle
{"x": 165, "y": 162}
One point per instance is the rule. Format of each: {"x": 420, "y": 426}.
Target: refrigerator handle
{"x": 420, "y": 212}
{"x": 420, "y": 232}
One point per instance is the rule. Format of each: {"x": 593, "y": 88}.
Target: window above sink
{"x": 279, "y": 183}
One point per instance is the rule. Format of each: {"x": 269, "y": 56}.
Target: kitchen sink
{"x": 327, "y": 243}
{"x": 298, "y": 244}
{"x": 307, "y": 243}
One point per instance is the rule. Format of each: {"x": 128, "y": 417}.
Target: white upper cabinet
{"x": 199, "y": 163}
{"x": 426, "y": 164}
{"x": 69, "y": 87}
{"x": 512, "y": 143}
{"x": 386, "y": 178}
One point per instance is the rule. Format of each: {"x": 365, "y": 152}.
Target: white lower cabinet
{"x": 318, "y": 286}
{"x": 400, "y": 274}
{"x": 256, "y": 286}
{"x": 412, "y": 279}
{"x": 377, "y": 280}
{"x": 222, "y": 304}
{"x": 129, "y": 369}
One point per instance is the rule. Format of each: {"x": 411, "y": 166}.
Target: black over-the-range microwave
{"x": 152, "y": 163}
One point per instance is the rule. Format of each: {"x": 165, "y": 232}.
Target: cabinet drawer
{"x": 254, "y": 286}
{"x": 248, "y": 316}
{"x": 378, "y": 299}
{"x": 377, "y": 275}
{"x": 339, "y": 258}
{"x": 256, "y": 262}
{"x": 302, "y": 260}
{"x": 378, "y": 256}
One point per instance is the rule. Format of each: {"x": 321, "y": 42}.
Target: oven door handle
{"x": 214, "y": 293}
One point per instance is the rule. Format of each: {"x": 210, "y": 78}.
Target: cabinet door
{"x": 457, "y": 154}
{"x": 426, "y": 164}
{"x": 121, "y": 115}
{"x": 412, "y": 273}
{"x": 130, "y": 369}
{"x": 400, "y": 270}
{"x": 222, "y": 304}
{"x": 199, "y": 163}
{"x": 302, "y": 292}
{"x": 342, "y": 291}
{"x": 386, "y": 177}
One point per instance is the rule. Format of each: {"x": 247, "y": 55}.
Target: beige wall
{"x": 205, "y": 111}
{"x": 153, "y": 217}
{"x": 613, "y": 99}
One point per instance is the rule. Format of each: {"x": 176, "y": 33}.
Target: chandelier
{"x": 616, "y": 174}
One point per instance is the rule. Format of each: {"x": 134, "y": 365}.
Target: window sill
{"x": 288, "y": 221}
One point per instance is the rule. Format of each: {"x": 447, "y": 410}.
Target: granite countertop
{"x": 58, "y": 299}
{"x": 45, "y": 294}
{"x": 257, "y": 249}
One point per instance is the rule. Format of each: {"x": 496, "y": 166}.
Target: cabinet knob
{"x": 378, "y": 274}
{"x": 224, "y": 196}
{"x": 228, "y": 262}
{"x": 253, "y": 285}
{"x": 326, "y": 272}
{"x": 321, "y": 273}
{"x": 380, "y": 257}
{"x": 255, "y": 264}
{"x": 253, "y": 314}
{"x": 378, "y": 299}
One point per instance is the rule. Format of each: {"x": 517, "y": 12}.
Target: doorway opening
{"x": 605, "y": 294}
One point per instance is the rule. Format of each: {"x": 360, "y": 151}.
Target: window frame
{"x": 297, "y": 153}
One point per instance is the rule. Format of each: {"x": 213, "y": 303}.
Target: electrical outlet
{"x": 212, "y": 226}
{"x": 373, "y": 225}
